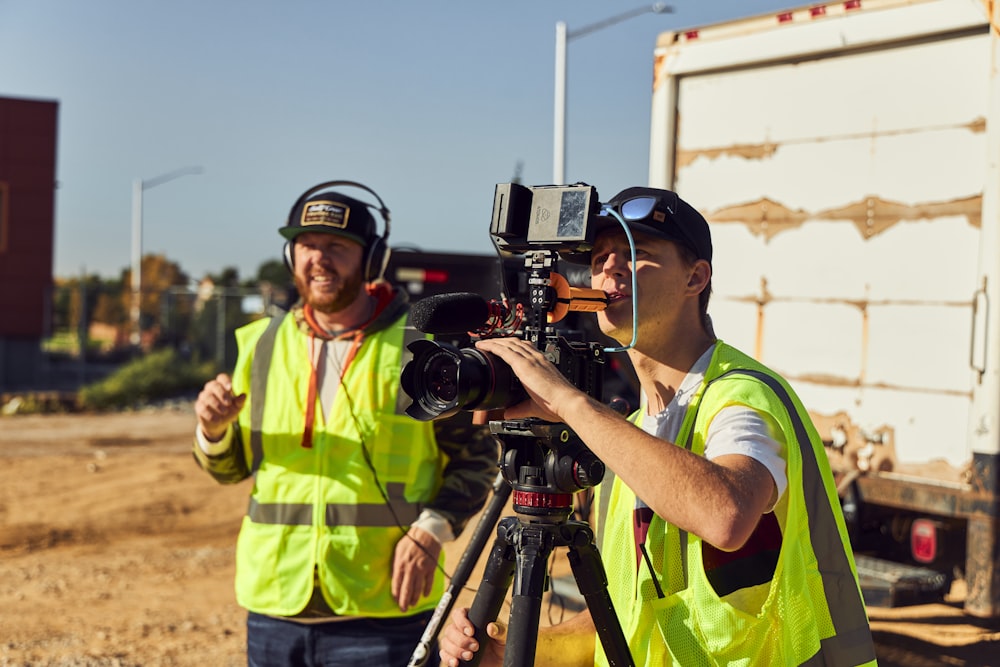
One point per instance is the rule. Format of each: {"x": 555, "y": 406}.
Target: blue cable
{"x": 635, "y": 310}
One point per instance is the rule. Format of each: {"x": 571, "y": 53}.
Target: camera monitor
{"x": 527, "y": 218}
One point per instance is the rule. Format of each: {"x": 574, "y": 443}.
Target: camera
{"x": 543, "y": 461}
{"x": 443, "y": 379}
{"x": 538, "y": 222}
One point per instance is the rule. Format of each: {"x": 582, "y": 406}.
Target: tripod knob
{"x": 589, "y": 471}
{"x": 577, "y": 470}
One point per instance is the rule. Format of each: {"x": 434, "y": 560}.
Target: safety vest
{"x": 318, "y": 512}
{"x": 812, "y": 611}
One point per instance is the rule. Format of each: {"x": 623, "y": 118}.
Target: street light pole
{"x": 138, "y": 186}
{"x": 563, "y": 36}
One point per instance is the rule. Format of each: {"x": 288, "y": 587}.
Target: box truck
{"x": 846, "y": 158}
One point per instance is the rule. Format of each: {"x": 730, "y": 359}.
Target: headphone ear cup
{"x": 288, "y": 254}
{"x": 378, "y": 258}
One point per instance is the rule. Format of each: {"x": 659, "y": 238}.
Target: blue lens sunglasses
{"x": 640, "y": 207}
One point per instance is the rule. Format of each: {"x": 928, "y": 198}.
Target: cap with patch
{"x": 656, "y": 212}
{"x": 332, "y": 213}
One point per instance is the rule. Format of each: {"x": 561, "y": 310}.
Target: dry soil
{"x": 115, "y": 549}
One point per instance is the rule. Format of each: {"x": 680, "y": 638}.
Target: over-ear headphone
{"x": 377, "y": 251}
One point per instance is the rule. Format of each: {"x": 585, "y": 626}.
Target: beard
{"x": 332, "y": 301}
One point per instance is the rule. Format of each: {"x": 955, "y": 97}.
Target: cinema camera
{"x": 543, "y": 463}
{"x": 540, "y": 223}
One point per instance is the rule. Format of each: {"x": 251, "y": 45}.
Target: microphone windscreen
{"x": 453, "y": 313}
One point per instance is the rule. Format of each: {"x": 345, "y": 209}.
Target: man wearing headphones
{"x": 339, "y": 558}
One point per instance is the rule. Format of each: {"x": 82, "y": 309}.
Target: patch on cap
{"x": 327, "y": 213}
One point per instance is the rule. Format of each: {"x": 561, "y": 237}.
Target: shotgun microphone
{"x": 459, "y": 312}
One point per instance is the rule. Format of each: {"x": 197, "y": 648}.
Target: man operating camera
{"x": 723, "y": 538}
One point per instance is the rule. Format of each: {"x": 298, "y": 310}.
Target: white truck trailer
{"x": 846, "y": 157}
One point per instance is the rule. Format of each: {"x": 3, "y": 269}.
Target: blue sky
{"x": 429, "y": 103}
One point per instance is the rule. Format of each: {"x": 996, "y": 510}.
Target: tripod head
{"x": 545, "y": 464}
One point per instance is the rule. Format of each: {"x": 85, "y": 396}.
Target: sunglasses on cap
{"x": 639, "y": 209}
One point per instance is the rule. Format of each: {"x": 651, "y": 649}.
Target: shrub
{"x": 160, "y": 375}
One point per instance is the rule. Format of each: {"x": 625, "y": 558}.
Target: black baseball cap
{"x": 656, "y": 212}
{"x": 332, "y": 213}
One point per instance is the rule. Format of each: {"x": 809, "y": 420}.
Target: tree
{"x": 273, "y": 272}
{"x": 160, "y": 277}
{"x": 275, "y": 284}
{"x": 229, "y": 277}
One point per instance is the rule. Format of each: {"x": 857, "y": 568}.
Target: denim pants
{"x": 372, "y": 642}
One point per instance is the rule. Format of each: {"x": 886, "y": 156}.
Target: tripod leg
{"x": 592, "y": 581}
{"x": 496, "y": 581}
{"x": 501, "y": 492}
{"x": 533, "y": 550}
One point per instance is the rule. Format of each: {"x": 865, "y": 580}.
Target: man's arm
{"x": 467, "y": 478}
{"x": 226, "y": 465}
{"x": 217, "y": 410}
{"x": 470, "y": 472}
{"x": 720, "y": 500}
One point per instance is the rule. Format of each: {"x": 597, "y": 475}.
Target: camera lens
{"x": 443, "y": 379}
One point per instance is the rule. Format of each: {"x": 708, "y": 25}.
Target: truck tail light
{"x": 413, "y": 274}
{"x": 435, "y": 276}
{"x": 924, "y": 540}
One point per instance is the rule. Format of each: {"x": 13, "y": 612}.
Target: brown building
{"x": 27, "y": 207}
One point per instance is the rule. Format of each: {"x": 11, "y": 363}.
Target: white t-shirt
{"x": 735, "y": 430}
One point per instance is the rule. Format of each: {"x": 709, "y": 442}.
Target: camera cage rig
{"x": 543, "y": 463}
{"x": 538, "y": 222}
{"x": 539, "y": 457}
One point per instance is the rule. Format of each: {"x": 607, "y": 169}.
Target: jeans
{"x": 372, "y": 642}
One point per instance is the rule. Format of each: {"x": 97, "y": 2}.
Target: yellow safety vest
{"x": 812, "y": 613}
{"x": 319, "y": 512}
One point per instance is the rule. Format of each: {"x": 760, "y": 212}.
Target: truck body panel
{"x": 845, "y": 156}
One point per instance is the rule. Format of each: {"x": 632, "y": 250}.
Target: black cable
{"x": 378, "y": 483}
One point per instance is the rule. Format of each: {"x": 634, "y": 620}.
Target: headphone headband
{"x": 378, "y": 251}
{"x": 381, "y": 208}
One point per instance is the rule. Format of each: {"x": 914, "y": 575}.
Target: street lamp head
{"x": 562, "y": 37}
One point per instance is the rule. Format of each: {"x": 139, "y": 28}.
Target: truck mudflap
{"x": 886, "y": 583}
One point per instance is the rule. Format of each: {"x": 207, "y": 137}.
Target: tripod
{"x": 544, "y": 463}
{"x": 524, "y": 543}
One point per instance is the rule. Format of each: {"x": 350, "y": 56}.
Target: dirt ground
{"x": 115, "y": 549}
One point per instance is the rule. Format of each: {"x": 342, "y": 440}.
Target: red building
{"x": 27, "y": 207}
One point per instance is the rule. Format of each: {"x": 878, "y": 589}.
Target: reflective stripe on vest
{"x": 258, "y": 388}
{"x": 379, "y": 515}
{"x": 851, "y": 645}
